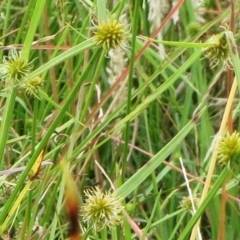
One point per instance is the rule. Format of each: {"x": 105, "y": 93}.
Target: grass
{"x": 118, "y": 120}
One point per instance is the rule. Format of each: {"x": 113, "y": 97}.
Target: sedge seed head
{"x": 187, "y": 204}
{"x": 101, "y": 210}
{"x": 229, "y": 148}
{"x": 32, "y": 86}
{"x": 218, "y": 51}
{"x": 110, "y": 34}
{"x": 14, "y": 68}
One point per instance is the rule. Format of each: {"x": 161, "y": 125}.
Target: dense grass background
{"x": 162, "y": 106}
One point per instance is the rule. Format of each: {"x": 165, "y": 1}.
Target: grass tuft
{"x": 96, "y": 114}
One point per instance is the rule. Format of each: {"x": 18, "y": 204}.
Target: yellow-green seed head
{"x": 101, "y": 210}
{"x": 187, "y": 204}
{"x": 14, "y": 68}
{"x": 218, "y": 51}
{"x": 110, "y": 34}
{"x": 32, "y": 86}
{"x": 229, "y": 148}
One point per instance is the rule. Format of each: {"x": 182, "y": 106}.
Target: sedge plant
{"x": 99, "y": 101}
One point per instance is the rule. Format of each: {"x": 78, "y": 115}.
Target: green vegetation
{"x": 119, "y": 120}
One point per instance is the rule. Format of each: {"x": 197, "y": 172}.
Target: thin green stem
{"x": 36, "y": 16}
{"x": 6, "y": 122}
{"x": 130, "y": 86}
{"x": 34, "y": 123}
{"x": 92, "y": 87}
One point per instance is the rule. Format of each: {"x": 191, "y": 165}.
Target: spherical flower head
{"x": 218, "y": 51}
{"x": 14, "y": 68}
{"x": 32, "y": 86}
{"x": 101, "y": 209}
{"x": 110, "y": 34}
{"x": 187, "y": 203}
{"x": 229, "y": 148}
